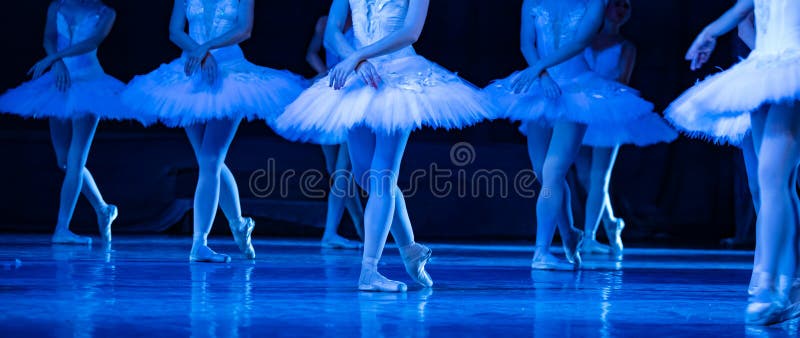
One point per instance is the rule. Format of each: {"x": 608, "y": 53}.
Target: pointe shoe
{"x": 242, "y": 235}
{"x": 546, "y": 261}
{"x": 104, "y": 219}
{"x": 592, "y": 246}
{"x": 767, "y": 308}
{"x": 572, "y": 247}
{"x": 769, "y": 301}
{"x": 615, "y": 238}
{"x": 415, "y": 257}
{"x": 204, "y": 254}
{"x": 67, "y": 237}
{"x": 339, "y": 243}
{"x": 372, "y": 281}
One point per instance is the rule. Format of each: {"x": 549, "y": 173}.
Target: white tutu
{"x": 614, "y": 113}
{"x": 414, "y": 92}
{"x": 719, "y": 107}
{"x": 90, "y": 94}
{"x": 587, "y": 99}
{"x": 647, "y": 130}
{"x": 243, "y": 90}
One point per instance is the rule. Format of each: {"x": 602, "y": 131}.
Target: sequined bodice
{"x": 777, "y": 26}
{"x": 210, "y": 19}
{"x": 206, "y": 23}
{"x": 373, "y": 20}
{"x": 556, "y": 24}
{"x": 605, "y": 62}
{"x": 70, "y": 33}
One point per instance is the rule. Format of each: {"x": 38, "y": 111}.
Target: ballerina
{"x": 556, "y": 99}
{"x": 725, "y": 106}
{"x": 613, "y": 57}
{"x": 73, "y": 95}
{"x": 374, "y": 98}
{"x": 208, "y": 91}
{"x": 337, "y": 160}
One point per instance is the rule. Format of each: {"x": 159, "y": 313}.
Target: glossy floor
{"x": 146, "y": 286}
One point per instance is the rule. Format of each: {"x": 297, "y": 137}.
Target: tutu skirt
{"x": 414, "y": 92}
{"x": 719, "y": 107}
{"x": 242, "y": 91}
{"x": 89, "y": 94}
{"x": 614, "y": 113}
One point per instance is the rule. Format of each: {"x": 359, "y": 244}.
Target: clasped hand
{"x": 365, "y": 69}
{"x": 63, "y": 80}
{"x": 201, "y": 59}
{"x": 528, "y": 77}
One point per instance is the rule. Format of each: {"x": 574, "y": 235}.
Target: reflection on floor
{"x": 145, "y": 286}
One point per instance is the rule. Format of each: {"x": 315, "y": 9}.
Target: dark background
{"x": 687, "y": 193}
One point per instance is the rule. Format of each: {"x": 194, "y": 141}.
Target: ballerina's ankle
{"x": 372, "y": 280}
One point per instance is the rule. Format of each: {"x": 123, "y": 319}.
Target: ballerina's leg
{"x": 381, "y": 182}
{"x": 562, "y": 151}
{"x": 217, "y": 136}
{"x": 83, "y": 130}
{"x": 229, "y": 200}
{"x": 337, "y": 163}
{"x": 776, "y": 263}
{"x": 61, "y": 136}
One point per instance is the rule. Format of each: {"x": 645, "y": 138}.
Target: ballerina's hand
{"x": 701, "y": 50}
{"x": 339, "y": 74}
{"x": 210, "y": 70}
{"x": 525, "y": 80}
{"x": 63, "y": 79}
{"x": 41, "y": 67}
{"x": 194, "y": 60}
{"x": 549, "y": 87}
{"x": 369, "y": 74}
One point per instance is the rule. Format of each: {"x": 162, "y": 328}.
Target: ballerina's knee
{"x": 382, "y": 182}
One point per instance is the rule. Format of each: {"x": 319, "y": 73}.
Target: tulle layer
{"x": 89, "y": 94}
{"x": 647, "y": 130}
{"x": 719, "y": 107}
{"x": 587, "y": 99}
{"x": 242, "y": 91}
{"x": 614, "y": 113}
{"x": 414, "y": 92}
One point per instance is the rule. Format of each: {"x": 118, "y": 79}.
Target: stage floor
{"x": 145, "y": 286}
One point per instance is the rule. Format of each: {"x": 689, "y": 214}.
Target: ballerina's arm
{"x": 315, "y": 46}
{"x": 177, "y": 28}
{"x": 51, "y": 29}
{"x": 334, "y": 38}
{"x": 627, "y": 62}
{"x": 528, "y": 45}
{"x": 704, "y": 44}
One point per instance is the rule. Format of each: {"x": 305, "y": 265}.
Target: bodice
{"x": 605, "y": 62}
{"x": 208, "y": 23}
{"x": 73, "y": 32}
{"x": 556, "y": 22}
{"x": 373, "y": 20}
{"x": 777, "y": 26}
